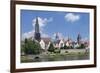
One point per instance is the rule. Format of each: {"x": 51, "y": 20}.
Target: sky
{"x": 66, "y": 24}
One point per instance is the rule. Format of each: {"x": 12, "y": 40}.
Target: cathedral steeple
{"x": 37, "y": 26}
{"x": 37, "y": 35}
{"x": 79, "y": 39}
{"x": 57, "y": 36}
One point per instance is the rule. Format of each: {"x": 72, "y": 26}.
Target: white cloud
{"x": 60, "y": 35}
{"x": 28, "y": 34}
{"x": 44, "y": 35}
{"x": 71, "y": 17}
{"x": 31, "y": 34}
{"x": 85, "y": 39}
{"x": 42, "y": 21}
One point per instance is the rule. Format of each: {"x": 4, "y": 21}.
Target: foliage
{"x": 66, "y": 51}
{"x": 31, "y": 47}
{"x": 81, "y": 46}
{"x": 67, "y": 47}
{"x": 57, "y": 50}
{"x": 62, "y": 48}
{"x": 51, "y": 48}
{"x": 36, "y": 48}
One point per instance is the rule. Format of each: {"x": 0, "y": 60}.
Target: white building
{"x": 61, "y": 43}
{"x": 45, "y": 43}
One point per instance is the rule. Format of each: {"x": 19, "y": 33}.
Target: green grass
{"x": 55, "y": 56}
{"x": 25, "y": 59}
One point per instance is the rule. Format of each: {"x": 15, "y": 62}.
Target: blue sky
{"x": 67, "y": 24}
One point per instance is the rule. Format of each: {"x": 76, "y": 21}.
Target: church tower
{"x": 37, "y": 35}
{"x": 57, "y": 37}
{"x": 79, "y": 39}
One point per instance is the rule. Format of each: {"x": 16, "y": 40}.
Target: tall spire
{"x": 37, "y": 26}
{"x": 56, "y": 37}
{"x": 79, "y": 39}
{"x": 37, "y": 35}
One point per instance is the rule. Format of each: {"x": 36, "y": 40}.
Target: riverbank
{"x": 64, "y": 55}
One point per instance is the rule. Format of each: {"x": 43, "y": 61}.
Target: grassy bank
{"x": 55, "y": 57}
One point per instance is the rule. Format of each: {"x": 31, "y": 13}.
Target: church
{"x": 37, "y": 35}
{"x": 44, "y": 41}
{"x": 58, "y": 43}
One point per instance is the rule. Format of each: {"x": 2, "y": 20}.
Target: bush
{"x": 66, "y": 51}
{"x": 57, "y": 51}
{"x": 62, "y": 48}
{"x": 82, "y": 46}
{"x": 31, "y": 47}
{"x": 51, "y": 48}
{"x": 67, "y": 47}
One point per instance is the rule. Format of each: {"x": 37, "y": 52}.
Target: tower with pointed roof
{"x": 37, "y": 34}
{"x": 79, "y": 39}
{"x": 57, "y": 37}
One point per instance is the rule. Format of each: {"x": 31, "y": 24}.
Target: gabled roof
{"x": 46, "y": 40}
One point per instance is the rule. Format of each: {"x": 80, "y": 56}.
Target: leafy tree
{"x": 71, "y": 47}
{"x": 31, "y": 47}
{"x": 81, "y": 46}
{"x": 26, "y": 46}
{"x": 26, "y": 40}
{"x": 36, "y": 48}
{"x": 51, "y": 48}
{"x": 62, "y": 48}
{"x": 65, "y": 47}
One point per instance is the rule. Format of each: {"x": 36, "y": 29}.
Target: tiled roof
{"x": 46, "y": 40}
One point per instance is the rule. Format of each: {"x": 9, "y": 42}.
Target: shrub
{"x": 51, "y": 48}
{"x": 66, "y": 51}
{"x": 82, "y": 46}
{"x": 57, "y": 51}
{"x": 31, "y": 47}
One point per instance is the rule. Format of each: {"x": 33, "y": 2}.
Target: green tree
{"x": 26, "y": 46}
{"x": 81, "y": 46}
{"x": 36, "y": 48}
{"x": 65, "y": 47}
{"x": 51, "y": 48}
{"x": 31, "y": 47}
{"x": 62, "y": 48}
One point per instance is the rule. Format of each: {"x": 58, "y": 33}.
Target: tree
{"x": 51, "y": 48}
{"x": 31, "y": 47}
{"x": 26, "y": 46}
{"x": 62, "y": 48}
{"x": 36, "y": 48}
{"x": 81, "y": 46}
{"x": 65, "y": 47}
